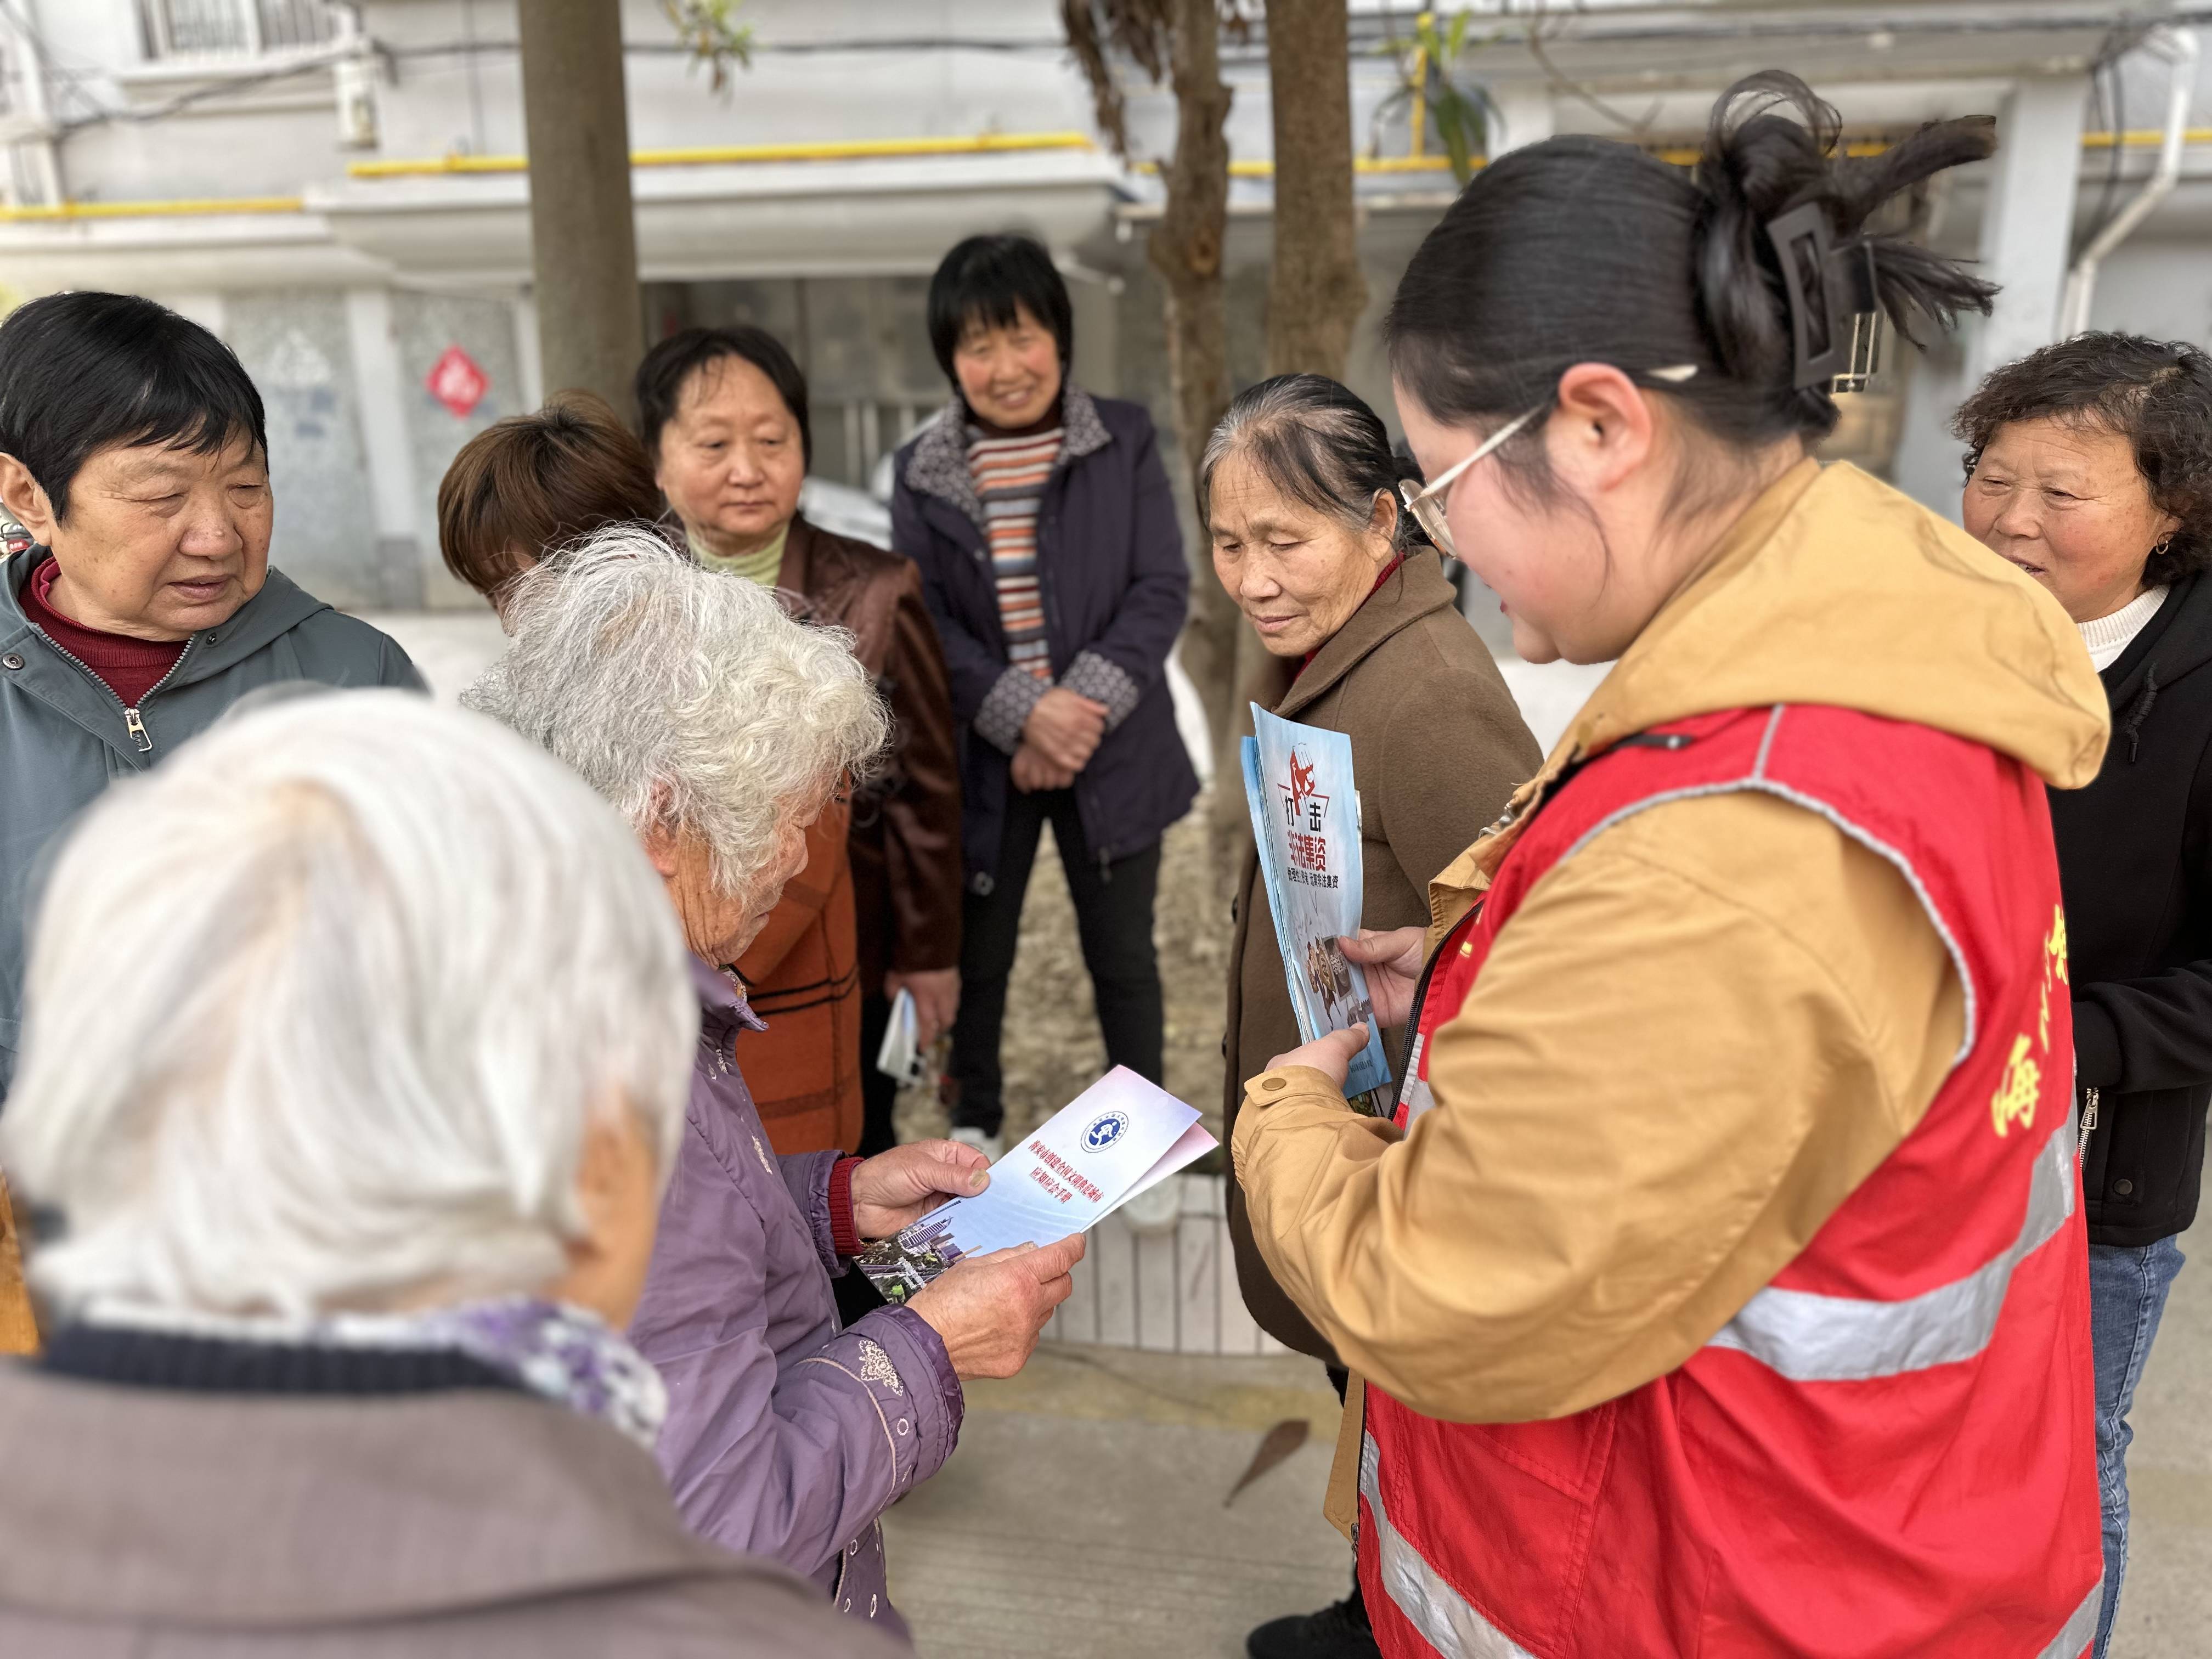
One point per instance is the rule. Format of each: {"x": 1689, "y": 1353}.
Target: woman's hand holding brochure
{"x": 1117, "y": 1138}
{"x": 1393, "y": 962}
{"x": 988, "y": 1310}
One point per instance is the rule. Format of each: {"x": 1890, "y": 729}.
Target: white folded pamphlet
{"x": 1118, "y": 1138}
{"x": 900, "y": 1054}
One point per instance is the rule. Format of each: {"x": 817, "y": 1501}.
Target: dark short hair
{"x": 1582, "y": 249}
{"x": 2157, "y": 394}
{"x": 1318, "y": 443}
{"x": 533, "y": 484}
{"x": 81, "y": 372}
{"x": 661, "y": 377}
{"x": 984, "y": 281}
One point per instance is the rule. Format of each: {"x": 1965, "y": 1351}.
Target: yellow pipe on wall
{"x": 855, "y": 149}
{"x": 849, "y": 150}
{"x": 186, "y": 207}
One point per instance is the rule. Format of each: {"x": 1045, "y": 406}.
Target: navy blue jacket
{"x": 1115, "y": 589}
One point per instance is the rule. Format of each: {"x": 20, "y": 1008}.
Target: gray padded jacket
{"x": 64, "y": 737}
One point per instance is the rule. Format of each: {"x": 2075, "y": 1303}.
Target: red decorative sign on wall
{"x": 456, "y": 381}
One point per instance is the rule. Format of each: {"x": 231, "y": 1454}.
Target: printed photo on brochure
{"x": 1118, "y": 1138}
{"x": 1305, "y": 804}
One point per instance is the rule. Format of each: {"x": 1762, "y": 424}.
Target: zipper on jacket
{"x": 140, "y": 738}
{"x": 2088, "y": 1125}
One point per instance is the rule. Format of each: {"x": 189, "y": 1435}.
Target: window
{"x": 233, "y": 28}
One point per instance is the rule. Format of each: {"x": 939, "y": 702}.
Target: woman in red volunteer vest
{"x": 1720, "y": 1289}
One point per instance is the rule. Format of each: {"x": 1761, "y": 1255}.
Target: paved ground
{"x": 2166, "y": 1612}
{"x": 1083, "y": 1514}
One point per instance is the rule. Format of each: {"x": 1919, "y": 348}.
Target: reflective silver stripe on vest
{"x": 1810, "y": 1338}
{"x": 1414, "y": 1095}
{"x": 1446, "y": 1620}
{"x": 1449, "y": 1623}
{"x": 2081, "y": 1630}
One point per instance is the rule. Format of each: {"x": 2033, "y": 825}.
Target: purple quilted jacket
{"x": 785, "y": 1437}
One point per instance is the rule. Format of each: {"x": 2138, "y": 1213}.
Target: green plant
{"x": 710, "y": 28}
{"x": 1430, "y": 97}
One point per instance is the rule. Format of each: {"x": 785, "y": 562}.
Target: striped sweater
{"x": 1010, "y": 476}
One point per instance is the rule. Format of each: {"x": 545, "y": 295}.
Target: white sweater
{"x": 2108, "y": 636}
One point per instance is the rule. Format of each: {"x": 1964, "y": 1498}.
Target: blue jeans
{"x": 2127, "y": 1294}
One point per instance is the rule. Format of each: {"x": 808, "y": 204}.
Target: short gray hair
{"x": 684, "y": 696}
{"x": 318, "y": 1015}
{"x": 1318, "y": 442}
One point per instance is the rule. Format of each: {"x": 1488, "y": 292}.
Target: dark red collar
{"x": 130, "y": 668}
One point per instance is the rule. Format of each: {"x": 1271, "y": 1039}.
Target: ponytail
{"x": 1587, "y": 250}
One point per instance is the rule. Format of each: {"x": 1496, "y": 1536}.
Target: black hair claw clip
{"x": 1835, "y": 308}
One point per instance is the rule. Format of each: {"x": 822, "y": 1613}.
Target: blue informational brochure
{"x": 1305, "y": 819}
{"x": 1119, "y": 1137}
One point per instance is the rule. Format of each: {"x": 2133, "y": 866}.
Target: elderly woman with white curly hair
{"x": 720, "y": 728}
{"x": 344, "y": 1233}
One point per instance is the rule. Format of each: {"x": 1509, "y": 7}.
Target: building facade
{"x": 340, "y": 192}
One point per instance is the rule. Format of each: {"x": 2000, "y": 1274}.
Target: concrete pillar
{"x": 205, "y": 306}
{"x": 381, "y": 397}
{"x": 2027, "y": 223}
{"x": 38, "y": 170}
{"x": 526, "y": 353}
{"x": 2028, "y": 226}
{"x": 1524, "y": 115}
{"x": 1093, "y": 296}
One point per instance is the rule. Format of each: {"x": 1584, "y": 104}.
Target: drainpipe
{"x": 2178, "y": 47}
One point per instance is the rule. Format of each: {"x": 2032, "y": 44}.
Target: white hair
{"x": 319, "y": 1013}
{"x": 684, "y": 696}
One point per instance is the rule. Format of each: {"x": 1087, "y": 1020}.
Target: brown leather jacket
{"x": 1438, "y": 744}
{"x": 889, "y": 899}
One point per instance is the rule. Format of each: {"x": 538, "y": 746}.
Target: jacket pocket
{"x": 1506, "y": 1512}
{"x": 2145, "y": 1162}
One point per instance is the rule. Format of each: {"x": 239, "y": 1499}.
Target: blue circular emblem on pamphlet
{"x": 1105, "y": 1129}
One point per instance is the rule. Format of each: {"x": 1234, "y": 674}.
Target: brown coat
{"x": 175, "y": 1525}
{"x": 803, "y": 978}
{"x": 1438, "y": 745}
{"x": 885, "y": 896}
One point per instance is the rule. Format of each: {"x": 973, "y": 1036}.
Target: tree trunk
{"x": 591, "y": 328}
{"x": 1186, "y": 249}
{"x": 1315, "y": 291}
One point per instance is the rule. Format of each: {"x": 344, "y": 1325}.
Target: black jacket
{"x": 1115, "y": 588}
{"x": 2134, "y": 859}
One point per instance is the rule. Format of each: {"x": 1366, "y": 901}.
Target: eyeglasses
{"x": 1427, "y": 506}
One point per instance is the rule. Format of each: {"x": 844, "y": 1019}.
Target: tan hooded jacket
{"x": 1697, "y": 1037}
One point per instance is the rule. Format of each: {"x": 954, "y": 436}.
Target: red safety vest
{"x": 1888, "y": 1451}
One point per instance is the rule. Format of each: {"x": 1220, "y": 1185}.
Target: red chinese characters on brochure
{"x": 1118, "y": 1138}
